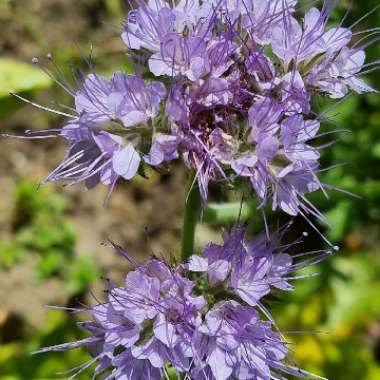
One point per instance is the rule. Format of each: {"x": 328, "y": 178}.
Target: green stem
{"x": 191, "y": 218}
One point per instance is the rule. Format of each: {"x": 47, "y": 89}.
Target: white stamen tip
{"x": 336, "y": 248}
{"x": 49, "y": 56}
{"x": 35, "y": 60}
{"x": 305, "y": 233}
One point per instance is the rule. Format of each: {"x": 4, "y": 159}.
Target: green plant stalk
{"x": 191, "y": 217}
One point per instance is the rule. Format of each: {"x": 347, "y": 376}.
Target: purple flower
{"x": 239, "y": 345}
{"x": 147, "y": 25}
{"x": 277, "y": 156}
{"x": 249, "y": 269}
{"x": 338, "y": 74}
{"x": 295, "y": 97}
{"x": 202, "y": 148}
{"x": 125, "y": 98}
{"x": 194, "y": 57}
{"x": 232, "y": 97}
{"x": 291, "y": 41}
{"x": 164, "y": 148}
{"x": 262, "y": 17}
{"x": 103, "y": 142}
{"x": 146, "y": 323}
{"x": 150, "y": 24}
{"x": 201, "y": 317}
{"x": 127, "y": 367}
{"x": 180, "y": 55}
{"x": 94, "y": 156}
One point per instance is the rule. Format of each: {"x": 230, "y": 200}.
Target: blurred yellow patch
{"x": 308, "y": 350}
{"x": 311, "y": 314}
{"x": 343, "y": 331}
{"x": 8, "y": 352}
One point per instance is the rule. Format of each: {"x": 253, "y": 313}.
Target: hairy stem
{"x": 191, "y": 217}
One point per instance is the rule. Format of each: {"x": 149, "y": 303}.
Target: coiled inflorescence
{"x": 204, "y": 319}
{"x": 227, "y": 86}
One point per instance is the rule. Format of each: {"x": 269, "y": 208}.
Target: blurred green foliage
{"x": 330, "y": 318}
{"x": 18, "y": 363}
{"x": 21, "y": 78}
{"x": 27, "y": 78}
{"x": 40, "y": 227}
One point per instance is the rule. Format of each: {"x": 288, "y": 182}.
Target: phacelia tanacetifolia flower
{"x": 225, "y": 86}
{"x": 201, "y": 319}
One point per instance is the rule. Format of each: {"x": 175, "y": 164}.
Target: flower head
{"x": 107, "y": 138}
{"x": 203, "y": 317}
{"x": 232, "y": 97}
{"x": 124, "y": 98}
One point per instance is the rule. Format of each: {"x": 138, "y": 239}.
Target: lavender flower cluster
{"x": 232, "y": 97}
{"x": 204, "y": 317}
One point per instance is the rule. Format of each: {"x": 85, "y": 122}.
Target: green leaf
{"x": 356, "y": 299}
{"x": 20, "y": 77}
{"x": 342, "y": 112}
{"x": 376, "y": 150}
{"x": 227, "y": 212}
{"x": 49, "y": 264}
{"x": 338, "y": 216}
{"x": 80, "y": 273}
{"x": 10, "y": 254}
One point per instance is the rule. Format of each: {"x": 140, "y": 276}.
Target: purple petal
{"x": 126, "y": 162}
